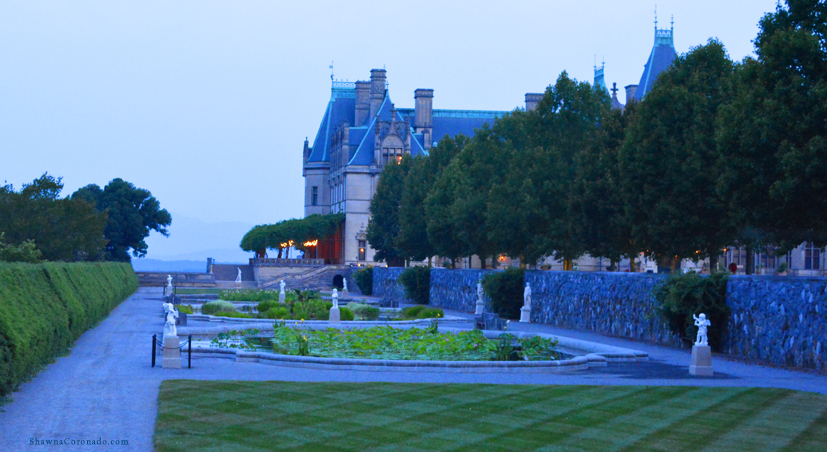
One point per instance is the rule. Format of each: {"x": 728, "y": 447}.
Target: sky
{"x": 207, "y": 103}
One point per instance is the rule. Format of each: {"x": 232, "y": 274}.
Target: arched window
{"x": 392, "y": 149}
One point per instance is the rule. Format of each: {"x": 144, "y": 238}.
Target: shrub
{"x": 234, "y": 315}
{"x": 276, "y": 312}
{"x": 250, "y": 295}
{"x": 422, "y": 312}
{"x": 45, "y": 307}
{"x": 682, "y": 295}
{"x": 363, "y": 311}
{"x": 506, "y": 291}
{"x": 212, "y": 307}
{"x": 185, "y": 308}
{"x": 312, "y": 309}
{"x": 782, "y": 267}
{"x": 417, "y": 282}
{"x": 364, "y": 279}
{"x": 345, "y": 314}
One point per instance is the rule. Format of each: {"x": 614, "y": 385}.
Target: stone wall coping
{"x": 563, "y": 365}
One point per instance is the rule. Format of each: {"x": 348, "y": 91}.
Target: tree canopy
{"x": 60, "y": 229}
{"x": 296, "y": 230}
{"x": 383, "y": 228}
{"x": 132, "y": 213}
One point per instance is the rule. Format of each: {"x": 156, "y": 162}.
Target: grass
{"x": 274, "y": 415}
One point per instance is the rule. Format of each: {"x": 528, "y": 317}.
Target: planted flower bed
{"x": 384, "y": 342}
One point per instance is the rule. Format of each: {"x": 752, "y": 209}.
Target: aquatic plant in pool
{"x": 385, "y": 342}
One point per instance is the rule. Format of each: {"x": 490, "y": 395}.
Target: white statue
{"x": 169, "y": 281}
{"x": 335, "y": 298}
{"x": 527, "y": 296}
{"x": 344, "y": 288}
{"x": 702, "y": 323}
{"x": 281, "y": 286}
{"x": 170, "y": 316}
{"x": 238, "y": 278}
{"x": 525, "y": 311}
{"x": 480, "y": 305}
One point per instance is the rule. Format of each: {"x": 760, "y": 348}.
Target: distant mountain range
{"x": 192, "y": 240}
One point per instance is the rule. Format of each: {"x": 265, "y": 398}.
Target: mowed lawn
{"x": 275, "y": 415}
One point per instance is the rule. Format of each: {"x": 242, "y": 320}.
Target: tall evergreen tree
{"x": 598, "y": 215}
{"x": 773, "y": 134}
{"x": 383, "y": 227}
{"x": 667, "y": 161}
{"x": 537, "y": 187}
{"x": 413, "y": 241}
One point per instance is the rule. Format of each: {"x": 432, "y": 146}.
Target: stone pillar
{"x": 531, "y": 100}
{"x": 631, "y": 90}
{"x": 378, "y": 79}
{"x": 172, "y": 354}
{"x": 362, "y": 102}
{"x": 525, "y": 314}
{"x": 334, "y": 315}
{"x": 701, "y": 363}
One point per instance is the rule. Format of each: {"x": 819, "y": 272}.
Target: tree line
{"x": 93, "y": 224}
{"x": 718, "y": 153}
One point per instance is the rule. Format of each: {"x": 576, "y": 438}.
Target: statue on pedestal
{"x": 169, "y": 281}
{"x": 170, "y": 316}
{"x": 344, "y": 282}
{"x": 525, "y": 311}
{"x": 335, "y": 298}
{"x": 480, "y": 299}
{"x": 702, "y": 323}
{"x": 238, "y": 278}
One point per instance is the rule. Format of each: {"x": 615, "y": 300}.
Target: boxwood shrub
{"x": 45, "y": 307}
{"x": 506, "y": 291}
{"x": 364, "y": 279}
{"x": 213, "y": 307}
{"x": 417, "y": 283}
{"x": 682, "y": 295}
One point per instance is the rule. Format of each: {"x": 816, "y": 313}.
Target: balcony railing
{"x": 267, "y": 262}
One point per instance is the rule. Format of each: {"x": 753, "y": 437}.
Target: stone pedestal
{"x": 281, "y": 297}
{"x": 334, "y": 315}
{"x": 525, "y": 315}
{"x": 172, "y": 354}
{"x": 701, "y": 363}
{"x": 479, "y": 308}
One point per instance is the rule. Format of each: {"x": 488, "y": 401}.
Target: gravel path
{"x": 106, "y": 390}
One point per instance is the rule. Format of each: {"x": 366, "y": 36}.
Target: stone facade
{"x": 385, "y": 285}
{"x": 776, "y": 320}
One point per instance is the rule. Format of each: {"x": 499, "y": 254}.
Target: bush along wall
{"x": 45, "y": 307}
{"x": 417, "y": 283}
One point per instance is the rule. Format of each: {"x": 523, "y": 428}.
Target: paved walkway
{"x": 105, "y": 388}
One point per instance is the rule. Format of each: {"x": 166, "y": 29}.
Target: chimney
{"x": 378, "y": 79}
{"x": 531, "y": 100}
{"x": 362, "y": 102}
{"x": 630, "y": 92}
{"x": 423, "y": 109}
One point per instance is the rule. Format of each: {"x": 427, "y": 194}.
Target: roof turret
{"x": 663, "y": 52}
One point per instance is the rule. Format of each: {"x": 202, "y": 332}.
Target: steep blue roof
{"x": 364, "y": 153}
{"x": 340, "y": 109}
{"x": 663, "y": 52}
{"x": 454, "y": 122}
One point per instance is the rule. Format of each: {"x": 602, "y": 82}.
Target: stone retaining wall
{"x": 777, "y": 320}
{"x": 780, "y": 320}
{"x": 456, "y": 289}
{"x": 385, "y": 285}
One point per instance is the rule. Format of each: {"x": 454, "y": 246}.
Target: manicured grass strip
{"x": 273, "y": 415}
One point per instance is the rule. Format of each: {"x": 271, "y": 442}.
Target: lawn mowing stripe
{"x": 814, "y": 437}
{"x": 531, "y": 428}
{"x": 701, "y": 430}
{"x": 772, "y": 428}
{"x": 622, "y": 431}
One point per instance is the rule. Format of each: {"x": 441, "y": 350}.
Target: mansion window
{"x": 362, "y": 246}
{"x": 812, "y": 256}
{"x": 391, "y": 154}
{"x": 314, "y": 196}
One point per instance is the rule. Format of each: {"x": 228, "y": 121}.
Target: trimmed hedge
{"x": 45, "y": 307}
{"x": 417, "y": 283}
{"x": 364, "y": 279}
{"x": 506, "y": 291}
